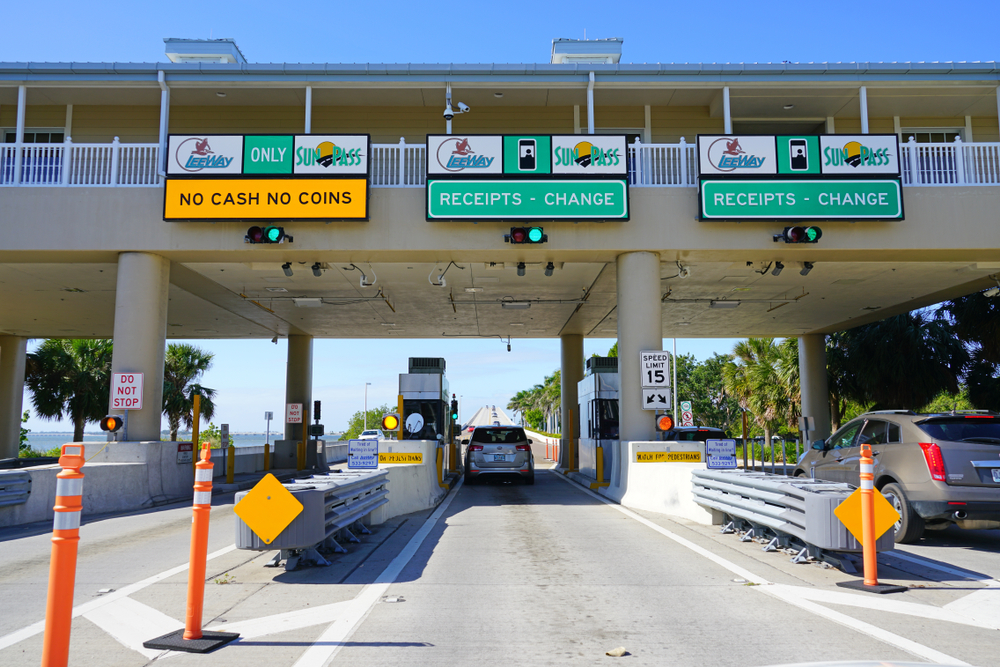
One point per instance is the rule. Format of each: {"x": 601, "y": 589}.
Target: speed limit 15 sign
{"x": 654, "y": 366}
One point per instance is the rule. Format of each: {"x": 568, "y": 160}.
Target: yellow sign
{"x": 668, "y": 457}
{"x": 268, "y": 508}
{"x": 849, "y": 513}
{"x": 400, "y": 457}
{"x": 266, "y": 199}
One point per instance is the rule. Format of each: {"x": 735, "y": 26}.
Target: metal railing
{"x": 403, "y": 165}
{"x": 14, "y": 488}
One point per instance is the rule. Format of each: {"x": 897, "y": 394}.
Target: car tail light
{"x": 523, "y": 448}
{"x": 935, "y": 462}
{"x": 475, "y": 448}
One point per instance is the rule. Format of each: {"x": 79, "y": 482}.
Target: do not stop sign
{"x": 126, "y": 391}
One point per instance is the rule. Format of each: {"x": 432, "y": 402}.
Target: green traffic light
{"x": 273, "y": 234}
{"x": 813, "y": 234}
{"x": 535, "y": 234}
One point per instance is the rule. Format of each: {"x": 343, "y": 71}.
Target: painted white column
{"x": 164, "y": 118}
{"x": 309, "y": 109}
{"x": 571, "y": 372}
{"x": 590, "y": 105}
{"x": 813, "y": 383}
{"x": 639, "y": 328}
{"x": 864, "y": 110}
{"x": 831, "y": 126}
{"x": 12, "y": 354}
{"x": 68, "y": 131}
{"x": 298, "y": 381}
{"x": 140, "y": 335}
{"x": 727, "y": 116}
{"x": 22, "y": 102}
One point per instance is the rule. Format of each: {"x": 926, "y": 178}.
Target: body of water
{"x": 43, "y": 442}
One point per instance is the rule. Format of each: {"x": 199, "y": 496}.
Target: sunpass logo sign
{"x": 585, "y": 155}
{"x": 211, "y": 154}
{"x": 464, "y": 154}
{"x": 736, "y": 154}
{"x": 859, "y": 154}
{"x": 330, "y": 154}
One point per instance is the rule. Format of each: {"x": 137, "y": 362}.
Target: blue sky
{"x": 249, "y": 375}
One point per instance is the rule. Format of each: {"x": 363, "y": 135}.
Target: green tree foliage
{"x": 976, "y": 321}
{"x": 545, "y": 398}
{"x": 356, "y": 424}
{"x": 183, "y": 366}
{"x": 945, "y": 402}
{"x": 23, "y": 443}
{"x": 534, "y": 418}
{"x": 70, "y": 378}
{"x": 764, "y": 378}
{"x": 702, "y": 383}
{"x": 901, "y": 362}
{"x": 211, "y": 434}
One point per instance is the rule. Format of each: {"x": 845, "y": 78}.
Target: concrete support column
{"x": 864, "y": 109}
{"x": 571, "y": 349}
{"x": 727, "y": 116}
{"x": 299, "y": 381}
{"x": 813, "y": 383}
{"x": 639, "y": 328}
{"x": 141, "y": 335}
{"x": 12, "y": 354}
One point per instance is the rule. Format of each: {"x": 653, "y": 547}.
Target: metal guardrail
{"x": 786, "y": 512}
{"x": 14, "y": 488}
{"x": 332, "y": 505}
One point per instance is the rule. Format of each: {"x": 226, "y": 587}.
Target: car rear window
{"x": 963, "y": 429}
{"x": 498, "y": 436}
{"x": 701, "y": 435}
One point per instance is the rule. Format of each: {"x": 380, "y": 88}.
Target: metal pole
{"x": 744, "y": 438}
{"x": 674, "y": 364}
{"x": 366, "y": 405}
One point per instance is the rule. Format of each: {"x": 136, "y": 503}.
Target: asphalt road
{"x": 506, "y": 574}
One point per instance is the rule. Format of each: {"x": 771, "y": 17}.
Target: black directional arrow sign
{"x": 655, "y": 399}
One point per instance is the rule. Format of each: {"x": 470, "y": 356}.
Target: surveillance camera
{"x": 448, "y": 113}
{"x": 463, "y": 107}
{"x": 684, "y": 272}
{"x": 991, "y": 292}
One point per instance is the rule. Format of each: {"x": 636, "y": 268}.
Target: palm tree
{"x": 70, "y": 378}
{"x": 183, "y": 366}
{"x": 976, "y": 321}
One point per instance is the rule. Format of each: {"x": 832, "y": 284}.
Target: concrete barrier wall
{"x": 413, "y": 487}
{"x": 538, "y": 445}
{"x": 658, "y": 487}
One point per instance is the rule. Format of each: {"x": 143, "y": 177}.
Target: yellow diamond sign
{"x": 849, "y": 513}
{"x": 268, "y": 508}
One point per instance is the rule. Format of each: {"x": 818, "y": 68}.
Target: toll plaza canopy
{"x": 399, "y": 200}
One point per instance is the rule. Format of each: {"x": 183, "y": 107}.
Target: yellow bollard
{"x": 300, "y": 452}
{"x": 267, "y": 456}
{"x": 230, "y": 463}
{"x": 440, "y": 467}
{"x": 600, "y": 470}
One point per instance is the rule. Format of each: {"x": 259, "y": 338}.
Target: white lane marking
{"x": 35, "y": 628}
{"x": 132, "y": 623}
{"x": 982, "y": 606}
{"x": 786, "y": 595}
{"x": 291, "y": 620}
{"x": 792, "y": 597}
{"x": 945, "y": 613}
{"x": 325, "y": 648}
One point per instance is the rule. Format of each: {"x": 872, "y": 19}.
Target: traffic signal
{"x": 664, "y": 422}
{"x": 799, "y": 235}
{"x": 454, "y": 410}
{"x": 112, "y": 423}
{"x": 269, "y": 234}
{"x": 526, "y": 235}
{"x": 390, "y": 422}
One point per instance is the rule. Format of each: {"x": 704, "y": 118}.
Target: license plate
{"x": 996, "y": 474}
{"x": 503, "y": 457}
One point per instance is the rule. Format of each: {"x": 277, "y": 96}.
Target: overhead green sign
{"x": 879, "y": 199}
{"x": 267, "y": 154}
{"x": 454, "y": 199}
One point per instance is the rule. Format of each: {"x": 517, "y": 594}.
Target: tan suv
{"x": 936, "y": 469}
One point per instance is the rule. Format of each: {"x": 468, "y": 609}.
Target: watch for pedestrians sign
{"x": 654, "y": 366}
{"x": 126, "y": 391}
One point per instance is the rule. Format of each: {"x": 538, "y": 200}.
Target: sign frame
{"x": 659, "y": 391}
{"x": 644, "y": 368}
{"x": 293, "y": 414}
{"x": 119, "y": 381}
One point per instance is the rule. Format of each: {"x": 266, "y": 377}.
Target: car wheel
{"x": 799, "y": 473}
{"x": 910, "y": 526}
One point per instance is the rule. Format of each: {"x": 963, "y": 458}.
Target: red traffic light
{"x": 526, "y": 235}
{"x": 799, "y": 235}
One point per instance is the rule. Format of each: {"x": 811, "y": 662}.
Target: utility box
{"x": 598, "y": 396}
{"x": 426, "y": 401}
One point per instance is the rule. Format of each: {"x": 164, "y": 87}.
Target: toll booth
{"x": 426, "y": 401}
{"x": 598, "y": 396}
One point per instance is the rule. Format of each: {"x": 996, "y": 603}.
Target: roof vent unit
{"x": 222, "y": 51}
{"x": 602, "y": 365}
{"x": 586, "y": 51}
{"x": 433, "y": 365}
